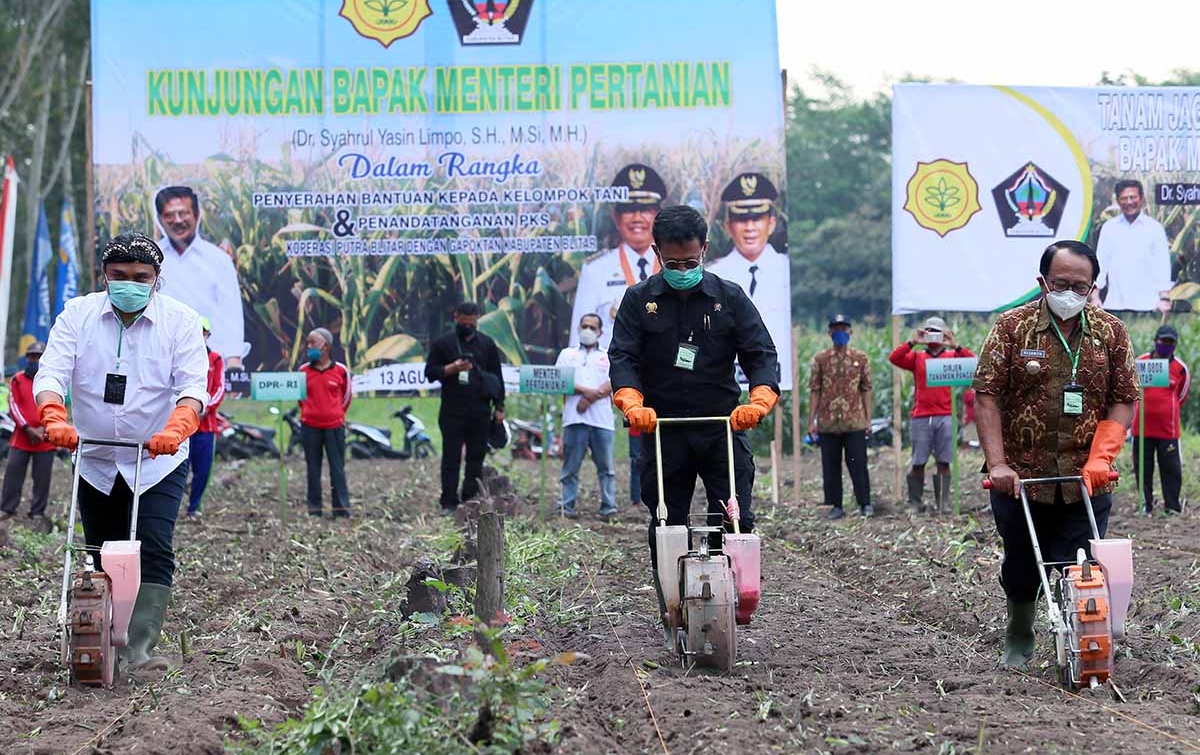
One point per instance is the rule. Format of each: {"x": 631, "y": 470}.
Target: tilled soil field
{"x": 873, "y": 635}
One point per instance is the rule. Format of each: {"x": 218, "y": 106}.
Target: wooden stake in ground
{"x": 898, "y": 481}
{"x": 489, "y": 588}
{"x": 797, "y": 434}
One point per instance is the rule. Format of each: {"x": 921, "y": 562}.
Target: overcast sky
{"x": 871, "y": 43}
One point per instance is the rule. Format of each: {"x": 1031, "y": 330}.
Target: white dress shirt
{"x": 772, "y": 295}
{"x": 1135, "y": 262}
{"x": 591, "y": 371}
{"x": 204, "y": 278}
{"x": 163, "y": 357}
{"x": 602, "y": 284}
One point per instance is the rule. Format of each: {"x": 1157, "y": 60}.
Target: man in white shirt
{"x": 606, "y": 275}
{"x": 753, "y": 263}
{"x": 588, "y": 419}
{"x": 134, "y": 363}
{"x": 1135, "y": 258}
{"x": 199, "y": 273}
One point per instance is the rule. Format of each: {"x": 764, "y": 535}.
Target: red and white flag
{"x": 8, "y": 231}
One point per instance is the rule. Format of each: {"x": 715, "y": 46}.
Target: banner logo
{"x": 385, "y": 20}
{"x": 942, "y": 196}
{"x": 1030, "y": 203}
{"x": 490, "y": 22}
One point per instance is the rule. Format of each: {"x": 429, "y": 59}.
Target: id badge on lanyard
{"x": 115, "y": 382}
{"x": 1072, "y": 405}
{"x": 1072, "y": 400}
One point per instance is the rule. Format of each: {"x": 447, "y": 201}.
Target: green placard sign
{"x": 939, "y": 372}
{"x": 1154, "y": 373}
{"x": 547, "y": 379}
{"x": 278, "y": 386}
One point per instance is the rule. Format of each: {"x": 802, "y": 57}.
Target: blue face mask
{"x": 681, "y": 280}
{"x": 129, "y": 296}
{"x": 840, "y": 337}
{"x": 314, "y": 355}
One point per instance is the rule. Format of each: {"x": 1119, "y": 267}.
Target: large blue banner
{"x": 362, "y": 166}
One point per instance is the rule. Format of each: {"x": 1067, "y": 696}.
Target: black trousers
{"x": 459, "y": 430}
{"x": 332, "y": 443}
{"x": 690, "y": 451}
{"x": 106, "y": 517}
{"x": 852, "y": 446}
{"x": 1166, "y": 450}
{"x": 14, "y": 480}
{"x": 1062, "y": 529}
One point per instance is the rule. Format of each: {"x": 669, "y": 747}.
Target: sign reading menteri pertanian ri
{"x": 548, "y": 379}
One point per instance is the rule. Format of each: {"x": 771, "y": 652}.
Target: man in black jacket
{"x": 468, "y": 365}
{"x": 677, "y": 336}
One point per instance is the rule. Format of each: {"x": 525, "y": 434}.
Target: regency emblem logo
{"x": 490, "y": 22}
{"x": 1030, "y": 202}
{"x": 942, "y": 196}
{"x": 385, "y": 21}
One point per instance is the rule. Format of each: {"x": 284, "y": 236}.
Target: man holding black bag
{"x": 467, "y": 363}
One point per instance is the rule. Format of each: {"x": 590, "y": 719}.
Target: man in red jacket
{"x": 323, "y": 422}
{"x": 28, "y": 444}
{"x": 1162, "y": 425}
{"x": 201, "y": 444}
{"x": 929, "y": 427}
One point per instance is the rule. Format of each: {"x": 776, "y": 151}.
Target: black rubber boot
{"x": 916, "y": 493}
{"x": 1019, "y": 639}
{"x": 941, "y": 491}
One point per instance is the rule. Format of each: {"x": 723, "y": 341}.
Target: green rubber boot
{"x": 145, "y": 627}
{"x": 916, "y": 493}
{"x": 1019, "y": 639}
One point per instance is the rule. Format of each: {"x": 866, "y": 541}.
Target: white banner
{"x": 984, "y": 178}
{"x": 410, "y": 376}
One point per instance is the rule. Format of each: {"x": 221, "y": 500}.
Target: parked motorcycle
{"x": 369, "y": 442}
{"x": 237, "y": 440}
{"x": 527, "y": 442}
{"x": 417, "y": 443}
{"x": 7, "y": 428}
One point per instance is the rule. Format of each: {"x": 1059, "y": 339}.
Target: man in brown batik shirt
{"x": 840, "y": 417}
{"x": 1055, "y": 389}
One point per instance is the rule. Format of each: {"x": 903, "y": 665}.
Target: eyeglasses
{"x": 1058, "y": 285}
{"x": 690, "y": 264}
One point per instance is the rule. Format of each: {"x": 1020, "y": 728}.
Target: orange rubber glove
{"x": 59, "y": 431}
{"x": 746, "y": 416}
{"x": 641, "y": 418}
{"x": 1106, "y": 446}
{"x": 183, "y": 422}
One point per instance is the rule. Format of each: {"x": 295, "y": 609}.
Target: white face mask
{"x": 588, "y": 337}
{"x": 1065, "y": 304}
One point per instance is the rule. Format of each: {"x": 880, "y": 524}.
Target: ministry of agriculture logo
{"x": 490, "y": 22}
{"x": 942, "y": 196}
{"x": 1030, "y": 202}
{"x": 385, "y": 20}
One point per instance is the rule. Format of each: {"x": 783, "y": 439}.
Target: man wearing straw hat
{"x": 134, "y": 363}
{"x": 678, "y": 335}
